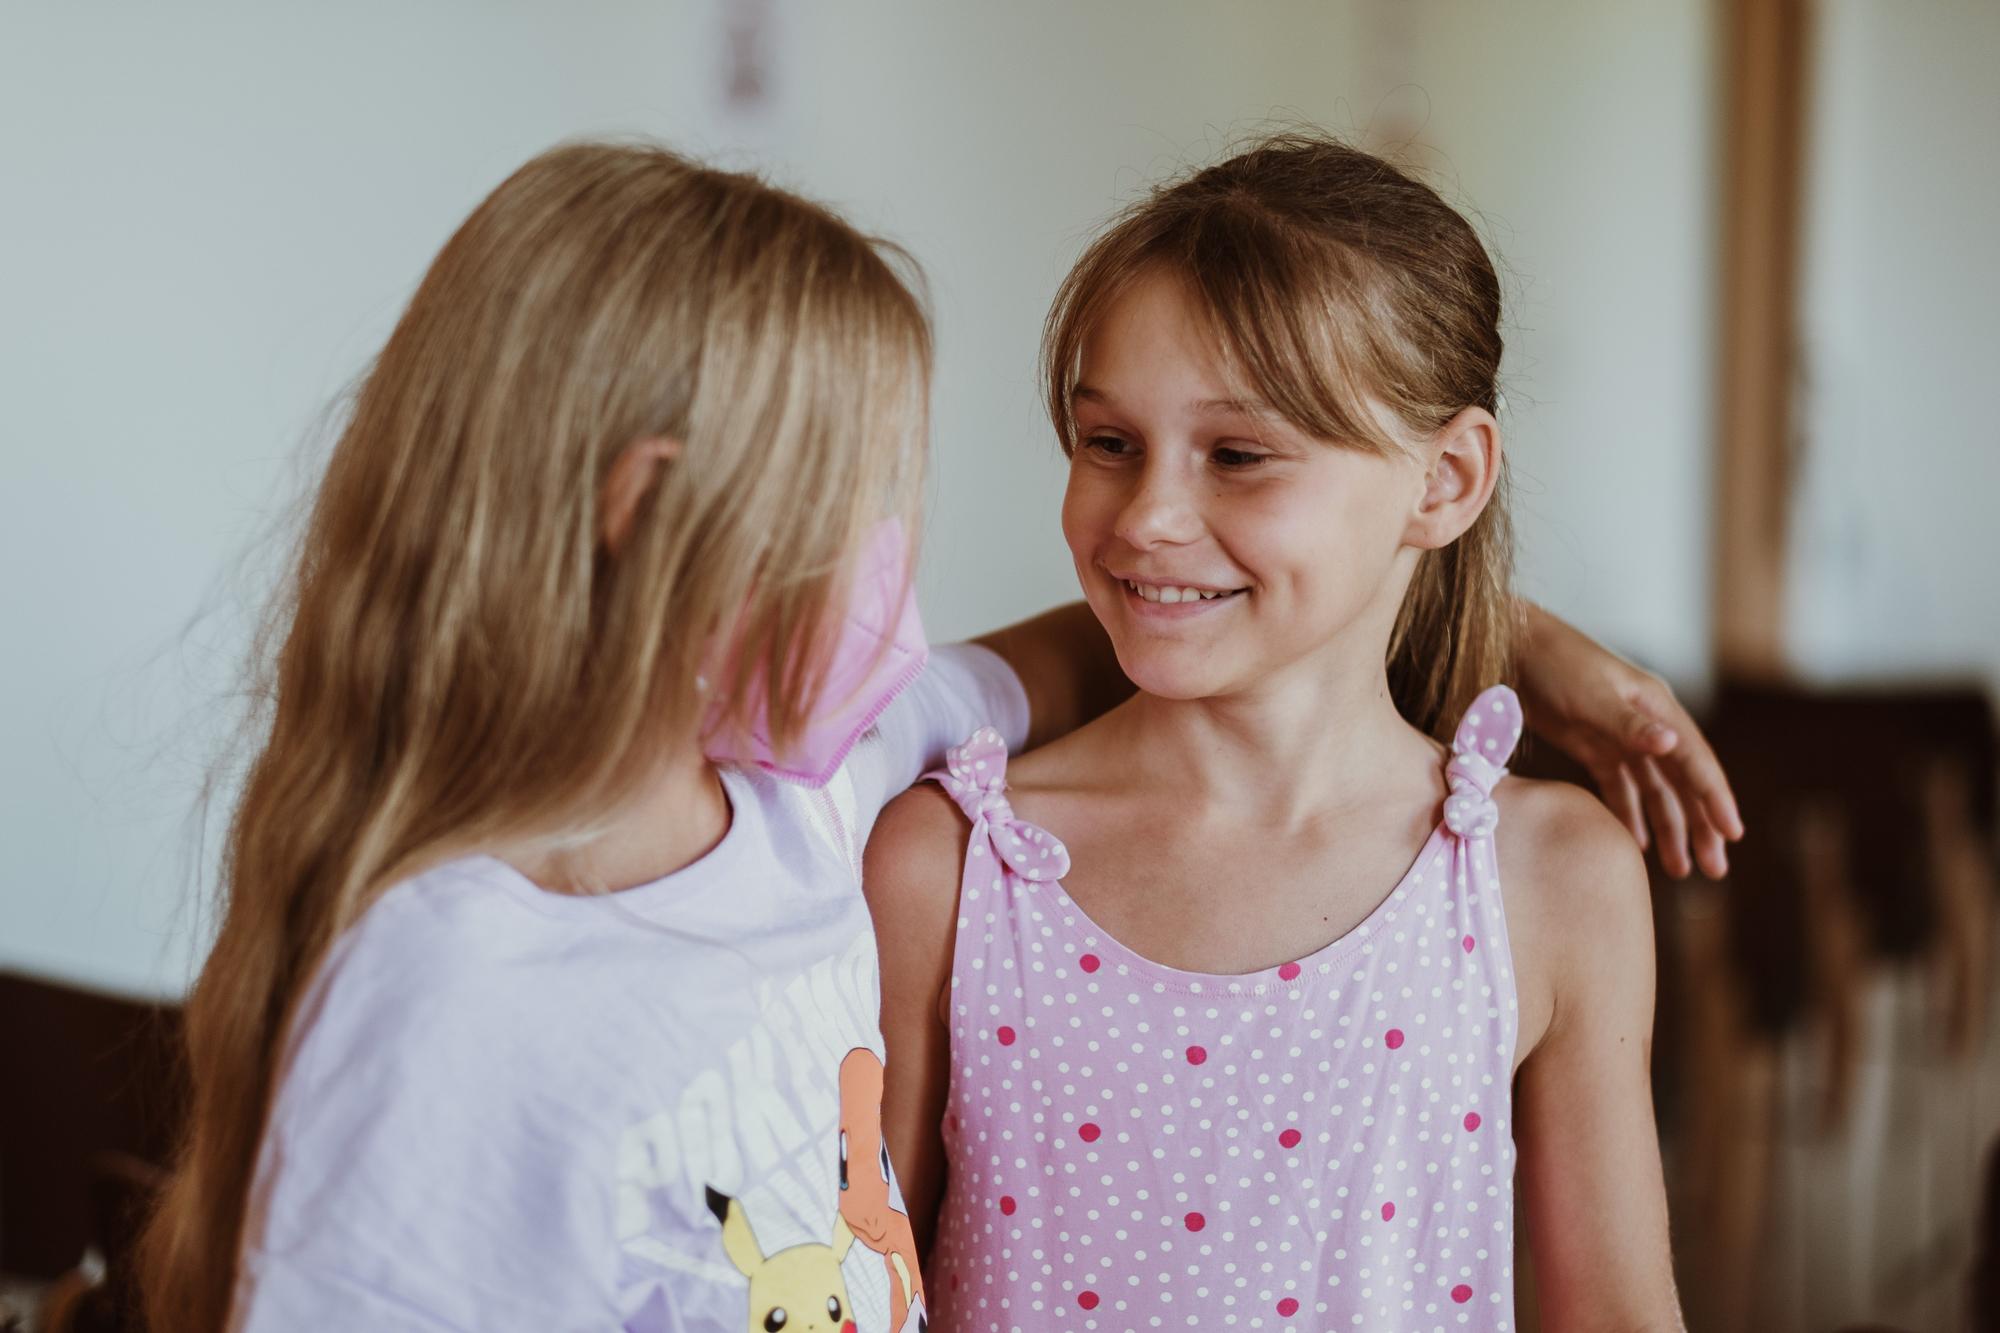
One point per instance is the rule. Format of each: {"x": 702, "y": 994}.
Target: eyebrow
{"x": 1248, "y": 407}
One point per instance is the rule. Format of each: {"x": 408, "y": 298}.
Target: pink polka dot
{"x": 1289, "y": 1139}
{"x": 1288, "y": 971}
{"x": 1088, "y": 1132}
{"x": 1007, "y": 1205}
{"x": 1006, "y": 1036}
{"x": 1288, "y": 1307}
{"x": 1088, "y": 1300}
{"x": 1196, "y": 1055}
{"x": 1393, "y": 1039}
{"x": 1195, "y": 1221}
{"x": 1471, "y": 1121}
{"x": 1388, "y": 1212}
{"x": 1466, "y": 943}
{"x": 1461, "y": 1293}
{"x": 1090, "y": 962}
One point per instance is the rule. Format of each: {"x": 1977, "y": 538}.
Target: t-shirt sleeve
{"x": 409, "y": 1181}
{"x": 964, "y": 687}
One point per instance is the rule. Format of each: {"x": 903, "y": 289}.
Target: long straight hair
{"x": 456, "y": 662}
{"x": 1333, "y": 281}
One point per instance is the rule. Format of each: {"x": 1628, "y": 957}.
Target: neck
{"x": 1313, "y": 737}
{"x": 673, "y": 817}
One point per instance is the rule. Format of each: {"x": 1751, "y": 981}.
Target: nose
{"x": 1161, "y": 508}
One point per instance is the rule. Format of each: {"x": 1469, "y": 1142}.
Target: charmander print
{"x": 866, "y": 1203}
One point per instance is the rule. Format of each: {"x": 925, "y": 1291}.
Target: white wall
{"x": 1895, "y": 565}
{"x": 1584, "y": 135}
{"x": 212, "y": 216}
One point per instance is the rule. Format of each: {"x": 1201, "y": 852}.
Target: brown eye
{"x": 833, "y": 1307}
{"x": 775, "y": 1320}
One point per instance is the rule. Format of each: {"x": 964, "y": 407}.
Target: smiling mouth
{"x": 1170, "y": 594}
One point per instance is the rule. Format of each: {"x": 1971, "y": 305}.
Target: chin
{"x": 1175, "y": 675}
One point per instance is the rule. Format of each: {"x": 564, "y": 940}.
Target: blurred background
{"x": 1750, "y": 259}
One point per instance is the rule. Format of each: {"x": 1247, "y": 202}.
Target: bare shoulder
{"x": 1089, "y": 758}
{"x": 910, "y": 876}
{"x": 1557, "y": 840}
{"x": 913, "y": 852}
{"x": 1579, "y": 910}
{"x": 1045, "y": 766}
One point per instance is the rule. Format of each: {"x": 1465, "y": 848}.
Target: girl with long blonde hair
{"x": 513, "y": 976}
{"x": 545, "y": 996}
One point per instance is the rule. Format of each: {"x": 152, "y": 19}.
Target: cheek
{"x": 1280, "y": 538}
{"x": 1083, "y": 517}
{"x": 1321, "y": 547}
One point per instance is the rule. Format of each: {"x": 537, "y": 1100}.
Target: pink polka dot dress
{"x": 1323, "y": 1145}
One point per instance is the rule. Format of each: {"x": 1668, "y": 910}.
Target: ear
{"x": 738, "y": 1241}
{"x": 1464, "y": 469}
{"x": 633, "y": 473}
{"x": 843, "y": 1238}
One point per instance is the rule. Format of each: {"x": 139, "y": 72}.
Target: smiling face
{"x": 1222, "y": 548}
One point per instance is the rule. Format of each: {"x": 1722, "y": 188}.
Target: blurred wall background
{"x": 214, "y": 213}
{"x": 1894, "y": 543}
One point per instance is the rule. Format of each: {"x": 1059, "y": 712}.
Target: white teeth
{"x": 1169, "y": 595}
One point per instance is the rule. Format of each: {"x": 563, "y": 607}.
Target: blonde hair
{"x": 1332, "y": 280}
{"x": 459, "y": 663}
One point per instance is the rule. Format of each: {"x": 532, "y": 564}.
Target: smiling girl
{"x": 1226, "y": 1019}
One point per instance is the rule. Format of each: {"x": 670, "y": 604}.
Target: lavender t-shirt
{"x": 503, "y": 1108}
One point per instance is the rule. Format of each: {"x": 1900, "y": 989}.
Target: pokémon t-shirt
{"x": 655, "y": 1110}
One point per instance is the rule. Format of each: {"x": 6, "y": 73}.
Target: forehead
{"x": 1154, "y": 353}
{"x": 1150, "y": 341}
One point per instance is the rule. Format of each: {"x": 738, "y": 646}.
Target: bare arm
{"x": 911, "y": 879}
{"x": 1067, "y": 667}
{"x": 1591, "y": 1185}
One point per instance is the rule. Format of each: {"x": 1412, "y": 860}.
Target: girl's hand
{"x": 1650, "y": 761}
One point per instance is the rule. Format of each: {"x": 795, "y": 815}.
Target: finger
{"x": 1620, "y": 793}
{"x": 1690, "y": 763}
{"x": 1711, "y": 852}
{"x": 1696, "y": 774}
{"x": 1669, "y": 820}
{"x": 1646, "y": 732}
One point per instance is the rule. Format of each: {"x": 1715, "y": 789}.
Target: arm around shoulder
{"x": 911, "y": 878}
{"x": 1590, "y": 1178}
